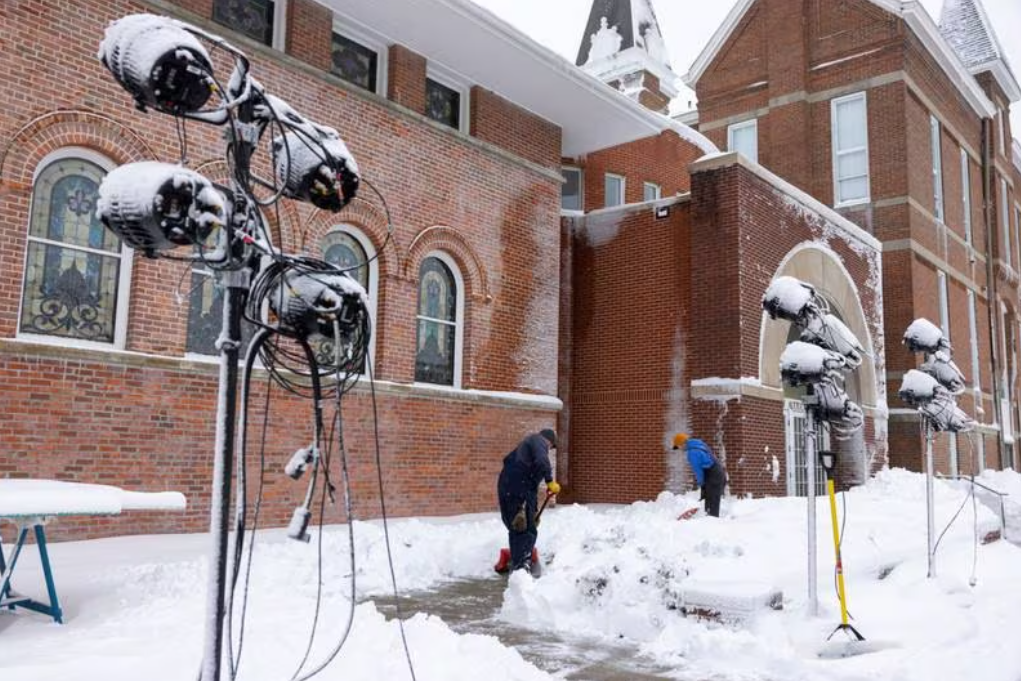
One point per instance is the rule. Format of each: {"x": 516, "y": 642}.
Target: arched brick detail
{"x": 67, "y": 128}
{"x": 366, "y": 217}
{"x": 823, "y": 269}
{"x": 449, "y": 240}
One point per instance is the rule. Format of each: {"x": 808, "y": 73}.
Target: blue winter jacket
{"x": 700, "y": 457}
{"x": 527, "y": 466}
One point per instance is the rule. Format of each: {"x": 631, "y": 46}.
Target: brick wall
{"x": 783, "y": 64}
{"x": 662, "y": 160}
{"x": 144, "y": 418}
{"x": 508, "y": 126}
{"x": 699, "y": 317}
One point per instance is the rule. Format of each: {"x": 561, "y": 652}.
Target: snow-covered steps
{"x": 728, "y": 601}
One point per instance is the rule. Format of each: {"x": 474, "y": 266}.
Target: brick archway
{"x": 823, "y": 269}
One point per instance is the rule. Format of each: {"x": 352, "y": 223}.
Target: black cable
{"x": 386, "y": 530}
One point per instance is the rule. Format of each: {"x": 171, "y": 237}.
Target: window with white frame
{"x": 77, "y": 273}
{"x": 359, "y": 57}
{"x": 347, "y": 247}
{"x": 446, "y": 97}
{"x": 1017, "y": 234}
{"x": 744, "y": 138}
{"x": 651, "y": 191}
{"x": 613, "y": 190}
{"x": 1005, "y": 222}
{"x": 260, "y": 20}
{"x": 935, "y": 146}
{"x": 849, "y": 120}
{"x": 571, "y": 194}
{"x": 973, "y": 338}
{"x": 944, "y": 303}
{"x": 966, "y": 194}
{"x": 439, "y": 314}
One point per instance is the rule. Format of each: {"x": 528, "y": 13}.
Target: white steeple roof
{"x": 623, "y": 37}
{"x": 964, "y": 24}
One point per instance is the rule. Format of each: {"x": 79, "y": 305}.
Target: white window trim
{"x": 834, "y": 104}
{"x": 966, "y": 194}
{"x": 936, "y": 151}
{"x": 123, "y": 282}
{"x": 454, "y": 80}
{"x": 1005, "y": 223}
{"x": 973, "y": 334}
{"x": 658, "y": 191}
{"x": 458, "y": 320}
{"x": 373, "y": 290}
{"x": 376, "y": 42}
{"x": 944, "y": 303}
{"x": 623, "y": 189}
{"x": 581, "y": 184}
{"x": 279, "y": 25}
{"x": 737, "y": 127}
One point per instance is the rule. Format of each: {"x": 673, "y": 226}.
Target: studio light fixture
{"x": 161, "y": 64}
{"x": 155, "y": 206}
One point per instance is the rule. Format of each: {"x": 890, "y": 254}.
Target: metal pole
{"x": 236, "y": 283}
{"x": 929, "y": 506}
{"x": 813, "y": 590}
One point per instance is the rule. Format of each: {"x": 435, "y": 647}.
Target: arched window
{"x": 77, "y": 272}
{"x": 440, "y": 309}
{"x": 350, "y": 249}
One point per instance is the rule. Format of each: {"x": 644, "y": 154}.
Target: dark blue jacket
{"x": 527, "y": 466}
{"x": 700, "y": 457}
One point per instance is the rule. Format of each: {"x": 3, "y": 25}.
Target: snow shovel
{"x": 503, "y": 562}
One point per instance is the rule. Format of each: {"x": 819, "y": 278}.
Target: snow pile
{"x": 613, "y": 575}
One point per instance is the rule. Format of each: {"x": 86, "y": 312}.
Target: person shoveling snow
{"x": 517, "y": 491}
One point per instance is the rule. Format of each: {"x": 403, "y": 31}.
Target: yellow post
{"x": 836, "y": 548}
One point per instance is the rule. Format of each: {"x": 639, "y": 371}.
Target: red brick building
{"x": 901, "y": 124}
{"x": 630, "y": 315}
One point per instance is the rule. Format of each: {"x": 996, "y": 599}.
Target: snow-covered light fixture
{"x": 316, "y": 304}
{"x": 804, "y": 363}
{"x": 161, "y": 64}
{"x": 924, "y": 336}
{"x": 320, "y": 170}
{"x": 788, "y": 298}
{"x": 156, "y": 206}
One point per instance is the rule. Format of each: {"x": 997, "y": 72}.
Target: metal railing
{"x": 1000, "y": 495}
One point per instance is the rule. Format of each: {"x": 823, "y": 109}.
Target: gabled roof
{"x": 965, "y": 25}
{"x": 621, "y": 37}
{"x": 914, "y": 15}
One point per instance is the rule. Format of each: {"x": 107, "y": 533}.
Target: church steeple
{"x": 623, "y": 46}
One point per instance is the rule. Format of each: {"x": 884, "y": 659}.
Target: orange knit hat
{"x": 680, "y": 439}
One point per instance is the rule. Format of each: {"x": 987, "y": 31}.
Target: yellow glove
{"x": 553, "y": 487}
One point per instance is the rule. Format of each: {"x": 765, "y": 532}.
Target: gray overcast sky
{"x": 687, "y": 26}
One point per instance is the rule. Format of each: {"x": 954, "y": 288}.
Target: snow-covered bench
{"x": 31, "y": 504}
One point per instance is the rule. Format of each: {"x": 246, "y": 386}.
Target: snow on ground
{"x": 134, "y": 605}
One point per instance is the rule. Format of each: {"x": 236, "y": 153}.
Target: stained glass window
{"x": 73, "y": 264}
{"x": 354, "y": 62}
{"x": 343, "y": 250}
{"x": 253, "y": 18}
{"x": 205, "y": 315}
{"x": 442, "y": 103}
{"x": 437, "y": 323}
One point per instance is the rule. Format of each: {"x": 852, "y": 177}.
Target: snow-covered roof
{"x": 965, "y": 25}
{"x": 623, "y": 36}
{"x": 495, "y": 55}
{"x": 916, "y": 18}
